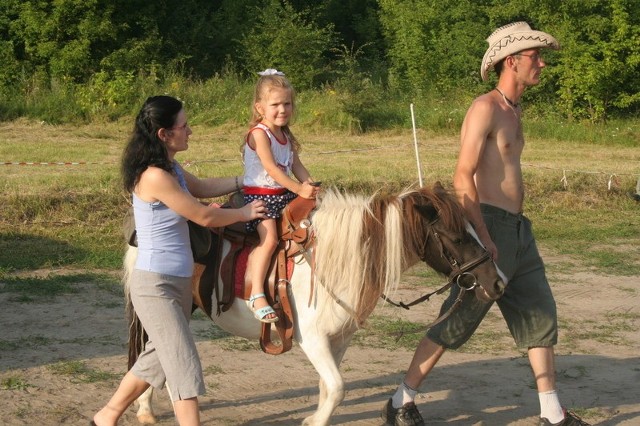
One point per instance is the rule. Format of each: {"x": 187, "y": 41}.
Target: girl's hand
{"x": 254, "y": 210}
{"x": 307, "y": 190}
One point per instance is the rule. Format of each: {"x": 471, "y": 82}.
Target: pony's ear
{"x": 427, "y": 211}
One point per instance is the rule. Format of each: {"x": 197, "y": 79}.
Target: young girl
{"x": 270, "y": 157}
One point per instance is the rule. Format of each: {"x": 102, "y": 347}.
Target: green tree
{"x": 9, "y": 45}
{"x": 403, "y": 25}
{"x": 358, "y": 25}
{"x": 599, "y": 73}
{"x": 290, "y": 41}
{"x": 434, "y": 45}
{"x": 66, "y": 38}
{"x": 408, "y": 47}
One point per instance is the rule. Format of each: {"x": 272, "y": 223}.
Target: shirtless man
{"x": 488, "y": 183}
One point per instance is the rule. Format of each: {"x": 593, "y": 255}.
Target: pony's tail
{"x": 137, "y": 336}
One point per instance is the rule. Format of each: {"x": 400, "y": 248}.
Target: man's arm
{"x": 476, "y": 128}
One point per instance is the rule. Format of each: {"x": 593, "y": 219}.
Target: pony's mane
{"x": 449, "y": 209}
{"x": 364, "y": 244}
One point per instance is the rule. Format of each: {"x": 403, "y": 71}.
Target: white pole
{"x": 415, "y": 144}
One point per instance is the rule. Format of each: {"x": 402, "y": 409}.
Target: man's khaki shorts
{"x": 527, "y": 305}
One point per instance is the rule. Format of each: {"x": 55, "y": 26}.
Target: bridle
{"x": 461, "y": 275}
{"x": 458, "y": 272}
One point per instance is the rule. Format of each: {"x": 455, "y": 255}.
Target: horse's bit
{"x": 458, "y": 272}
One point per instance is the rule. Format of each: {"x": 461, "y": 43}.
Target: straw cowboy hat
{"x": 511, "y": 39}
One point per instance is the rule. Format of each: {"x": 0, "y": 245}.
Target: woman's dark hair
{"x": 145, "y": 148}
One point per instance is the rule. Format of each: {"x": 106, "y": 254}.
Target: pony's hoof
{"x": 311, "y": 421}
{"x": 147, "y": 419}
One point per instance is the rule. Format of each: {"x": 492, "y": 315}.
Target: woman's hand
{"x": 254, "y": 210}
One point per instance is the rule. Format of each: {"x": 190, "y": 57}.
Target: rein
{"x": 426, "y": 297}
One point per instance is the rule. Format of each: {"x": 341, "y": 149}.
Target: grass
{"x": 213, "y": 369}
{"x": 241, "y": 344}
{"x": 29, "y": 289}
{"x": 79, "y": 372}
{"x": 390, "y": 334}
{"x": 33, "y": 341}
{"x": 612, "y": 331}
{"x": 14, "y": 383}
{"x": 55, "y": 216}
{"x": 602, "y": 228}
{"x": 393, "y": 333}
{"x": 226, "y": 340}
{"x": 36, "y": 341}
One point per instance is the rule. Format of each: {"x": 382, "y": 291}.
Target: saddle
{"x": 295, "y": 237}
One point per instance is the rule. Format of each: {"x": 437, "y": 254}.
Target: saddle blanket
{"x": 242, "y": 260}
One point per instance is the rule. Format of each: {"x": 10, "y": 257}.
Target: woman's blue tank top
{"x": 163, "y": 236}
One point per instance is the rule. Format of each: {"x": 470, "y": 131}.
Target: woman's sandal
{"x": 261, "y": 314}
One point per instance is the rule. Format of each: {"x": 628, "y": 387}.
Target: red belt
{"x": 259, "y": 190}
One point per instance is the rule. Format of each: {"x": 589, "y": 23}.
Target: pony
{"x": 363, "y": 245}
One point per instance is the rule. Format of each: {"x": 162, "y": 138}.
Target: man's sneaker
{"x": 570, "y": 419}
{"x": 407, "y": 415}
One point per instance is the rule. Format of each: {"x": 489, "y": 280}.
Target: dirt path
{"x": 61, "y": 358}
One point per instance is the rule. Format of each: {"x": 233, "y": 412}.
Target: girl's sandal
{"x": 262, "y": 313}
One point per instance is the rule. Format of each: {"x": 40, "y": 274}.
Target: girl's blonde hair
{"x": 265, "y": 84}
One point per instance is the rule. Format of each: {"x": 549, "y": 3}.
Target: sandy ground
{"x": 62, "y": 357}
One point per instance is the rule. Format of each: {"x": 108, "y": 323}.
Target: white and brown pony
{"x": 363, "y": 245}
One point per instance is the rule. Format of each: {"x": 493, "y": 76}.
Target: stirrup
{"x": 261, "y": 314}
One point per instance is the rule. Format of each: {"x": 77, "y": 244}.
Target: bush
{"x": 107, "y": 96}
{"x": 288, "y": 41}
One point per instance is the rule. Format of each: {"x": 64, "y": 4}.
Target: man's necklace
{"x": 507, "y": 100}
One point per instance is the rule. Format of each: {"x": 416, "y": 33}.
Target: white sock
{"x": 403, "y": 395}
{"x": 550, "y": 407}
